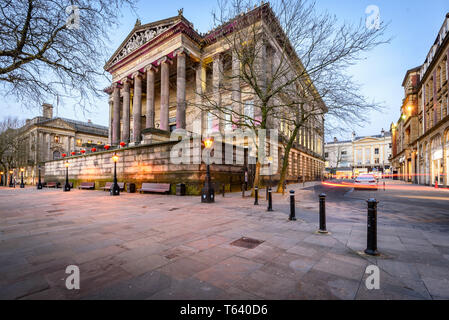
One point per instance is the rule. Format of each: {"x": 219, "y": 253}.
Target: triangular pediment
{"x": 59, "y": 124}
{"x": 139, "y": 36}
{"x": 368, "y": 140}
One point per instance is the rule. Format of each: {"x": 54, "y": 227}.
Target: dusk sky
{"x": 414, "y": 25}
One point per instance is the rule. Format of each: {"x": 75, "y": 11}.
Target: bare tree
{"x": 12, "y": 153}
{"x": 55, "y": 48}
{"x": 293, "y": 61}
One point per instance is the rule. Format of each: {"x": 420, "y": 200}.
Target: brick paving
{"x": 151, "y": 246}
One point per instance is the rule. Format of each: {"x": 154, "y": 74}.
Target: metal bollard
{"x": 223, "y": 190}
{"x": 256, "y": 196}
{"x": 243, "y": 190}
{"x": 292, "y": 206}
{"x": 270, "y": 200}
{"x": 322, "y": 213}
{"x": 266, "y": 193}
{"x": 371, "y": 248}
{"x": 384, "y": 185}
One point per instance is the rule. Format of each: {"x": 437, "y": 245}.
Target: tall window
{"x": 249, "y": 111}
{"x": 228, "y": 120}
{"x": 210, "y": 122}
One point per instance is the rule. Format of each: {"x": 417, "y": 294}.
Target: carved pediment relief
{"x": 59, "y": 124}
{"x": 138, "y": 38}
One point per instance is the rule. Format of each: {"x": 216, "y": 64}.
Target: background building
{"x": 359, "y": 155}
{"x": 421, "y": 135}
{"x": 46, "y": 138}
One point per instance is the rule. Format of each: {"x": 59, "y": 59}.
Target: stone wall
{"x": 145, "y": 163}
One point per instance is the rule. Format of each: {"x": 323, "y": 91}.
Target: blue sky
{"x": 414, "y": 25}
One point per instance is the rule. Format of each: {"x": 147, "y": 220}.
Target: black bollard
{"x": 223, "y": 189}
{"x": 243, "y": 190}
{"x": 266, "y": 193}
{"x": 270, "y": 201}
{"x": 292, "y": 206}
{"x": 256, "y": 196}
{"x": 384, "y": 185}
{"x": 372, "y": 228}
{"x": 322, "y": 213}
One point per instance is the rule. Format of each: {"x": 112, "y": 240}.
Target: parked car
{"x": 365, "y": 181}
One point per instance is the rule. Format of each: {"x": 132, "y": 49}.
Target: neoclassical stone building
{"x": 158, "y": 75}
{"x": 361, "y": 154}
{"x": 421, "y": 135}
{"x": 46, "y": 138}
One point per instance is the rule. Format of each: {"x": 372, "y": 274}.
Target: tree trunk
{"x": 288, "y": 147}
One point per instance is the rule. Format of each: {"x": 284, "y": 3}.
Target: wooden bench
{"x": 155, "y": 187}
{"x": 87, "y": 185}
{"x": 108, "y": 186}
{"x": 52, "y": 185}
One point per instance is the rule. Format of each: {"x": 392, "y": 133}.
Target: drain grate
{"x": 248, "y": 243}
{"x": 173, "y": 209}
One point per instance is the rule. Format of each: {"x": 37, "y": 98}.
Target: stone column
{"x": 49, "y": 157}
{"x": 165, "y": 93}
{"x": 200, "y": 80}
{"x": 116, "y": 115}
{"x": 126, "y": 104}
{"x": 150, "y": 70}
{"x": 236, "y": 95}
{"x": 217, "y": 70}
{"x": 181, "y": 90}
{"x": 137, "y": 108}
{"x": 110, "y": 123}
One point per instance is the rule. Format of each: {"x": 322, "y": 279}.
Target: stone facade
{"x": 46, "y": 138}
{"x": 156, "y": 75}
{"x": 146, "y": 163}
{"x": 421, "y": 135}
{"x": 359, "y": 155}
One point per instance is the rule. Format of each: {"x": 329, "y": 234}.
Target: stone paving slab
{"x": 166, "y": 247}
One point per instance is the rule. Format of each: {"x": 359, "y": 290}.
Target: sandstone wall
{"x": 144, "y": 163}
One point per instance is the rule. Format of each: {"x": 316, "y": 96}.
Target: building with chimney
{"x": 45, "y": 138}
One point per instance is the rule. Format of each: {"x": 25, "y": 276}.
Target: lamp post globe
{"x": 115, "y": 189}
{"x": 67, "y": 184}
{"x": 208, "y": 192}
{"x": 22, "y": 185}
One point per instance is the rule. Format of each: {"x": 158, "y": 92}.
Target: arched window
{"x": 56, "y": 155}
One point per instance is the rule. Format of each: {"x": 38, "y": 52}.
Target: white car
{"x": 365, "y": 181}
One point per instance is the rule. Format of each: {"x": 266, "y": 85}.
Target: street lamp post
{"x": 115, "y": 189}
{"x": 10, "y": 179}
{"x": 67, "y": 184}
{"x": 39, "y": 183}
{"x": 208, "y": 193}
{"x": 22, "y": 185}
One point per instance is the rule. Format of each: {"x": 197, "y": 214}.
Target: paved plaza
{"x": 149, "y": 246}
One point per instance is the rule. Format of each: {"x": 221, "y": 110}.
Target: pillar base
{"x": 153, "y": 135}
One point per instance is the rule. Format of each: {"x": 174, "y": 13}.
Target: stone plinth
{"x": 153, "y": 135}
